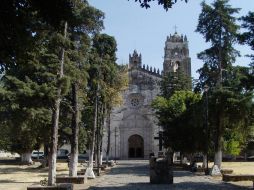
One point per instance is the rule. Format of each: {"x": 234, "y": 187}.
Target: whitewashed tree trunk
{"x": 174, "y": 157}
{"x": 89, "y": 171}
{"x": 55, "y": 122}
{"x": 75, "y": 131}
{"x": 53, "y": 147}
{"x": 218, "y": 158}
{"x": 95, "y": 158}
{"x": 108, "y": 133}
{"x": 26, "y": 158}
{"x": 101, "y": 157}
{"x": 218, "y": 145}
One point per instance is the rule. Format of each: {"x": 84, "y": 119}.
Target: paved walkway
{"x": 134, "y": 175}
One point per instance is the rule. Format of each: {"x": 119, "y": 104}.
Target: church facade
{"x": 133, "y": 124}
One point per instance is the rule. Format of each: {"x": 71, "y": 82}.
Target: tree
{"x": 218, "y": 26}
{"x": 88, "y": 20}
{"x": 165, "y": 3}
{"x": 25, "y": 96}
{"x": 182, "y": 121}
{"x": 113, "y": 97}
{"x": 40, "y": 28}
{"x": 174, "y": 81}
{"x": 248, "y": 38}
{"x": 102, "y": 67}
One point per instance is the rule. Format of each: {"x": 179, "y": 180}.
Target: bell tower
{"x": 135, "y": 60}
{"x": 176, "y": 57}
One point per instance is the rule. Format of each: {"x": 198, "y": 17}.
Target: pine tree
{"x": 218, "y": 26}
{"x": 248, "y": 38}
{"x": 83, "y": 25}
{"x": 174, "y": 81}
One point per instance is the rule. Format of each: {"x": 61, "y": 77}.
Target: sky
{"x": 145, "y": 30}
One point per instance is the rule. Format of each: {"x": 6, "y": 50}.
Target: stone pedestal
{"x": 160, "y": 171}
{"x": 215, "y": 171}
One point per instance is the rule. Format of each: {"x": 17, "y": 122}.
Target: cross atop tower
{"x": 175, "y": 27}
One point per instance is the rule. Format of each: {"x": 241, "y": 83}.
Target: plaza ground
{"x": 126, "y": 175}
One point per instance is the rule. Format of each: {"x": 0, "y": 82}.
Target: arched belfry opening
{"x": 136, "y": 146}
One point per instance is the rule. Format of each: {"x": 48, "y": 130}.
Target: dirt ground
{"x": 19, "y": 177}
{"x": 240, "y": 168}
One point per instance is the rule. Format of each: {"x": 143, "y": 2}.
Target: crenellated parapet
{"x": 151, "y": 70}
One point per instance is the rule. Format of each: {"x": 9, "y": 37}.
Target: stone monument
{"x": 215, "y": 171}
{"x": 160, "y": 171}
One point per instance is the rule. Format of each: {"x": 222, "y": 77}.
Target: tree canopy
{"x": 165, "y": 3}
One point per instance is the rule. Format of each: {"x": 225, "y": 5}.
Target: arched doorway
{"x": 136, "y": 146}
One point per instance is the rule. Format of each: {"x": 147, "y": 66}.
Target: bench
{"x": 80, "y": 173}
{"x": 236, "y": 177}
{"x": 68, "y": 179}
{"x": 226, "y": 171}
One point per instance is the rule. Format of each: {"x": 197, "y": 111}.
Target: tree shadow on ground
{"x": 134, "y": 170}
{"x": 15, "y": 182}
{"x": 17, "y": 169}
{"x": 175, "y": 186}
{"x": 143, "y": 170}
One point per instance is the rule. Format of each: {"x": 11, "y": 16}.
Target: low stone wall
{"x": 226, "y": 171}
{"x": 68, "y": 179}
{"x": 234, "y": 177}
{"x": 65, "y": 186}
{"x": 81, "y": 173}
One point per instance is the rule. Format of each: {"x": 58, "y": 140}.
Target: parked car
{"x": 250, "y": 158}
{"x": 37, "y": 154}
{"x": 62, "y": 154}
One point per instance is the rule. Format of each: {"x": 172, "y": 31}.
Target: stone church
{"x": 133, "y": 125}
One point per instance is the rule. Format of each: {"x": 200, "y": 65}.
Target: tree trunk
{"x": 75, "y": 132}
{"x": 55, "y": 123}
{"x": 26, "y": 158}
{"x": 204, "y": 160}
{"x": 53, "y": 146}
{"x": 101, "y": 157}
{"x": 181, "y": 158}
{"x": 218, "y": 146}
{"x": 45, "y": 160}
{"x": 100, "y": 121}
{"x": 218, "y": 157}
{"x": 109, "y": 133}
{"x": 89, "y": 172}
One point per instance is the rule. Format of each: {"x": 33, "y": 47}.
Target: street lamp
{"x": 206, "y": 88}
